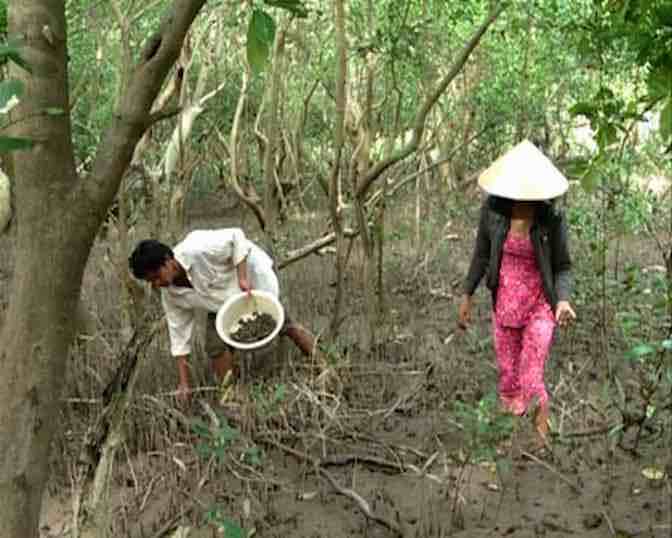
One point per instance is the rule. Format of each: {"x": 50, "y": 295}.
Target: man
{"x": 201, "y": 273}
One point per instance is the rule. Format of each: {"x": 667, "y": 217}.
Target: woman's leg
{"x": 537, "y": 340}
{"x": 508, "y": 346}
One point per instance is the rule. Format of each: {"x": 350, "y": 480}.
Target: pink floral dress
{"x": 523, "y": 326}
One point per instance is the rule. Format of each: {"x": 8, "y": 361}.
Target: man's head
{"x": 154, "y": 262}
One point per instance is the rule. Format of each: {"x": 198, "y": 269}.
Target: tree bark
{"x": 335, "y": 182}
{"x": 58, "y": 216}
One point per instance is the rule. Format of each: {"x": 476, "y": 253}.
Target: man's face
{"x": 164, "y": 275}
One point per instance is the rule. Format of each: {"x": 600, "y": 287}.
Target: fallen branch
{"x": 346, "y": 459}
{"x": 588, "y": 433}
{"x": 322, "y": 242}
{"x": 553, "y": 470}
{"x": 363, "y": 505}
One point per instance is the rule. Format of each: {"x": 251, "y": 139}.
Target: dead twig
{"x": 346, "y": 459}
{"x": 575, "y": 487}
{"x": 612, "y": 530}
{"x": 363, "y": 505}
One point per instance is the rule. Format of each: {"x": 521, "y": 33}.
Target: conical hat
{"x": 523, "y": 173}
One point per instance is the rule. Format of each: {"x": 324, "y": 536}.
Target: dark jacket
{"x": 549, "y": 239}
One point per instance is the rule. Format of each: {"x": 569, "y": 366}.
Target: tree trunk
{"x": 39, "y": 324}
{"x": 271, "y": 211}
{"x": 58, "y": 216}
{"x": 335, "y": 182}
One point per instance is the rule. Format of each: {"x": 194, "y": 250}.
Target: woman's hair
{"x": 546, "y": 209}
{"x": 148, "y": 257}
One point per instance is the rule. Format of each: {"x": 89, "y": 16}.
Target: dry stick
{"x": 316, "y": 245}
{"x": 612, "y": 530}
{"x": 346, "y": 492}
{"x": 587, "y": 433}
{"x": 346, "y": 459}
{"x": 553, "y": 470}
{"x": 403, "y": 448}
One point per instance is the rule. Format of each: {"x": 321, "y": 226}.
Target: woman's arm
{"x": 479, "y": 263}
{"x": 561, "y": 262}
{"x": 481, "y": 255}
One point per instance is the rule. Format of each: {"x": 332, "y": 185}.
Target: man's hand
{"x": 564, "y": 313}
{"x": 464, "y": 313}
{"x": 243, "y": 279}
{"x": 244, "y": 284}
{"x": 183, "y": 394}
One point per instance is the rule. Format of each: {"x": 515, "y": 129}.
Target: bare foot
{"x": 541, "y": 416}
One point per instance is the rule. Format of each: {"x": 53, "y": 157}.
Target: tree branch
{"x": 133, "y": 115}
{"x": 316, "y": 245}
{"x": 419, "y": 122}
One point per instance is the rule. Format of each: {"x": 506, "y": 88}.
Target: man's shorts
{"x": 214, "y": 345}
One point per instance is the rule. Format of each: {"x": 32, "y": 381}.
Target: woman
{"x": 522, "y": 245}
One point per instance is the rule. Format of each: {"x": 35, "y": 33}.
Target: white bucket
{"x": 237, "y": 307}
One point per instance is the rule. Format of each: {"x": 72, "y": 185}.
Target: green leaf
{"x": 9, "y": 89}
{"x": 11, "y": 52}
{"x": 200, "y": 427}
{"x": 666, "y": 120}
{"x": 260, "y": 36}
{"x": 575, "y": 168}
{"x": 252, "y": 456}
{"x": 233, "y": 530}
{"x": 667, "y": 344}
{"x": 591, "y": 179}
{"x": 295, "y": 7}
{"x": 8, "y": 143}
{"x": 641, "y": 350}
{"x": 280, "y": 391}
{"x": 606, "y": 135}
{"x": 54, "y": 111}
{"x": 583, "y": 109}
{"x": 660, "y": 81}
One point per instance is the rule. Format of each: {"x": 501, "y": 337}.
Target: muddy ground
{"x": 402, "y": 440}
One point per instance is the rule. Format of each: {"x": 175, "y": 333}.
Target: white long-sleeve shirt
{"x": 210, "y": 259}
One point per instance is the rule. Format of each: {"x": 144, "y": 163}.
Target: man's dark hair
{"x": 148, "y": 257}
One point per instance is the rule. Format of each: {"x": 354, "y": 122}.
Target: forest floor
{"x": 408, "y": 432}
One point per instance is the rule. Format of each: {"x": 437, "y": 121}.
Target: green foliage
{"x": 253, "y": 456}
{"x": 260, "y": 36}
{"x": 268, "y": 399}
{"x": 215, "y": 439}
{"x": 484, "y": 427}
{"x": 626, "y": 38}
{"x": 295, "y": 7}
{"x": 11, "y": 52}
{"x": 10, "y": 92}
{"x": 225, "y": 525}
{"x": 8, "y": 143}
{"x": 3, "y": 19}
{"x": 666, "y": 120}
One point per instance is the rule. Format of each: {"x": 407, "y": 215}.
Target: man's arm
{"x": 180, "y": 328}
{"x": 243, "y": 277}
{"x": 183, "y": 386}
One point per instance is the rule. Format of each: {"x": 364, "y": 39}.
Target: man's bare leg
{"x": 302, "y": 338}
{"x": 222, "y": 364}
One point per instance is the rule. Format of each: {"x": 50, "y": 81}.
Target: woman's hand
{"x": 564, "y": 313}
{"x": 464, "y": 313}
